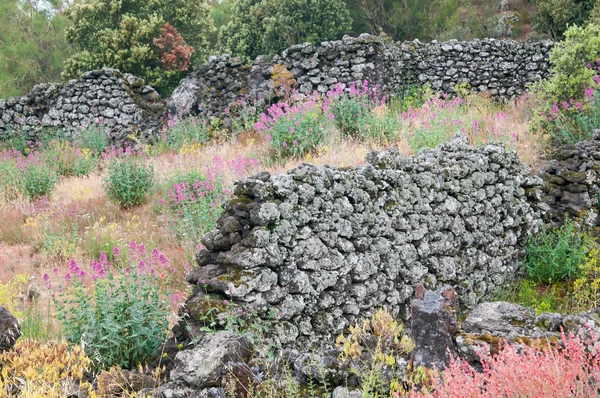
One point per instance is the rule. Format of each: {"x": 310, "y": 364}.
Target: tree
{"x": 555, "y": 16}
{"x": 32, "y": 44}
{"x": 121, "y": 34}
{"x": 269, "y": 26}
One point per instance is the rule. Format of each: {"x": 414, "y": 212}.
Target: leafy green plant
{"x": 556, "y": 254}
{"x": 94, "y": 138}
{"x": 183, "y": 133}
{"x": 293, "y": 131}
{"x": 129, "y": 181}
{"x": 574, "y": 64}
{"x": 122, "y": 318}
{"x": 68, "y": 159}
{"x": 38, "y": 180}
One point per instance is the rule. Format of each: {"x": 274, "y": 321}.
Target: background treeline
{"x": 160, "y": 40}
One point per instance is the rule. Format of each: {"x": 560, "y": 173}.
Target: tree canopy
{"x": 32, "y": 44}
{"x": 269, "y": 26}
{"x": 122, "y": 34}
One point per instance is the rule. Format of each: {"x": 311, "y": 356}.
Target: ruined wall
{"x": 120, "y": 102}
{"x": 572, "y": 181}
{"x": 320, "y": 247}
{"x": 503, "y": 67}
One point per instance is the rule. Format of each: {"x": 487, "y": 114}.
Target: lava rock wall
{"x": 122, "y": 103}
{"x": 572, "y": 182}
{"x": 504, "y": 68}
{"x": 319, "y": 248}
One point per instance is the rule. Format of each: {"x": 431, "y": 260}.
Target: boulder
{"x": 10, "y": 330}
{"x": 205, "y": 365}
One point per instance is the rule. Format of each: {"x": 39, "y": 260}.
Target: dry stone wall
{"x": 320, "y": 247}
{"x": 121, "y": 102}
{"x": 572, "y": 181}
{"x": 504, "y": 68}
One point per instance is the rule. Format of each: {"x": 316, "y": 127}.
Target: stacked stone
{"x": 122, "y": 103}
{"x": 571, "y": 181}
{"x": 504, "y": 68}
{"x": 321, "y": 247}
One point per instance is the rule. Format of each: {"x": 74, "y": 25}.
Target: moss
{"x": 235, "y": 276}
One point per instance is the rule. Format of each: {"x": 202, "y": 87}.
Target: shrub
{"x": 556, "y": 254}
{"x": 567, "y": 371}
{"x": 10, "y": 175}
{"x": 68, "y": 159}
{"x": 35, "y": 369}
{"x": 94, "y": 137}
{"x": 121, "y": 319}
{"x": 293, "y": 131}
{"x": 195, "y": 202}
{"x": 573, "y": 121}
{"x": 38, "y": 179}
{"x": 181, "y": 133}
{"x": 350, "y": 110}
{"x": 433, "y": 123}
{"x": 129, "y": 181}
{"x": 574, "y": 64}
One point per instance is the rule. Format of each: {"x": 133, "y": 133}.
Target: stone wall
{"x": 120, "y": 101}
{"x": 502, "y": 67}
{"x": 571, "y": 181}
{"x": 320, "y": 247}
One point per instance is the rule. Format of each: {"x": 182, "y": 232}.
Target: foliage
{"x": 38, "y": 179}
{"x": 269, "y": 26}
{"x": 293, "y": 131}
{"x": 129, "y": 181}
{"x": 196, "y": 204}
{"x": 182, "y": 134}
{"x": 122, "y": 318}
{"x": 94, "y": 137}
{"x": 68, "y": 159}
{"x": 121, "y": 34}
{"x": 174, "y": 54}
{"x": 36, "y": 369}
{"x": 12, "y": 291}
{"x": 568, "y": 369}
{"x": 555, "y": 16}
{"x": 371, "y": 349}
{"x": 10, "y": 175}
{"x": 573, "y": 121}
{"x": 540, "y": 297}
{"x": 556, "y": 254}
{"x": 573, "y": 64}
{"x": 32, "y": 45}
{"x": 586, "y": 288}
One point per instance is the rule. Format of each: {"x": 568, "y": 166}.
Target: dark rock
{"x": 433, "y": 326}
{"x": 10, "y": 330}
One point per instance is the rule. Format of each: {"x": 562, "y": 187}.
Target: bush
{"x": 69, "y": 160}
{"x": 179, "y": 134}
{"x": 574, "y": 64}
{"x": 129, "y": 181}
{"x": 94, "y": 138}
{"x": 195, "y": 202}
{"x": 122, "y": 318}
{"x": 293, "y": 131}
{"x": 38, "y": 179}
{"x": 556, "y": 254}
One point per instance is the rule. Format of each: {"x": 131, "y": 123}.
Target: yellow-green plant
{"x": 12, "y": 291}
{"x": 35, "y": 369}
{"x": 371, "y": 347}
{"x": 586, "y": 288}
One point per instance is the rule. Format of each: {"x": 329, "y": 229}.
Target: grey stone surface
{"x": 320, "y": 248}
{"x": 204, "y": 365}
{"x": 433, "y": 326}
{"x": 504, "y": 68}
{"x": 120, "y": 102}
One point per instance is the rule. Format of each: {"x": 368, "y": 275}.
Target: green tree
{"x": 555, "y": 16}
{"x": 270, "y": 26}
{"x": 32, "y": 44}
{"x": 120, "y": 34}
